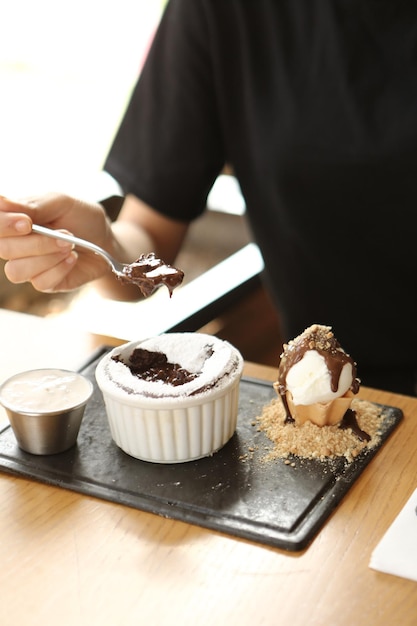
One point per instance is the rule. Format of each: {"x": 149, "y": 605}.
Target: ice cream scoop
{"x": 316, "y": 377}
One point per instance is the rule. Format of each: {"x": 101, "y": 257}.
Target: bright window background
{"x": 66, "y": 72}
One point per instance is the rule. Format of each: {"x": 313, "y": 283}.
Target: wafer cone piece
{"x": 321, "y": 413}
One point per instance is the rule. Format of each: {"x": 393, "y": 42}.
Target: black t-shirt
{"x": 314, "y": 104}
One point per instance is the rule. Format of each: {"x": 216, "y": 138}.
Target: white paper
{"x": 396, "y": 553}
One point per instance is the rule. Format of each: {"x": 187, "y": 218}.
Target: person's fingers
{"x": 54, "y": 279}
{"x": 31, "y": 246}
{"x": 12, "y": 221}
{"x": 48, "y": 280}
{"x": 46, "y": 273}
{"x": 45, "y": 209}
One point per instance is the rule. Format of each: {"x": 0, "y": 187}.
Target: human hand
{"x": 52, "y": 265}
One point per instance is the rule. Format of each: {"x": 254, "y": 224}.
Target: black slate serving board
{"x": 235, "y": 491}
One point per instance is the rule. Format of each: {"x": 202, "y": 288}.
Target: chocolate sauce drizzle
{"x": 148, "y": 273}
{"x": 349, "y": 421}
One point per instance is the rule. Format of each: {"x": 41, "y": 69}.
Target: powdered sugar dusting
{"x": 212, "y": 360}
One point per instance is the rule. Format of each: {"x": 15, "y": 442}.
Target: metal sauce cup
{"x": 45, "y": 408}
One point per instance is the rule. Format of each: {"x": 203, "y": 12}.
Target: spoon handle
{"x": 57, "y": 234}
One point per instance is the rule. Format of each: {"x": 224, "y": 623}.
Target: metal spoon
{"x": 117, "y": 267}
{"x": 148, "y": 272}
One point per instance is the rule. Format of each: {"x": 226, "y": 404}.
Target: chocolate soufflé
{"x": 173, "y": 397}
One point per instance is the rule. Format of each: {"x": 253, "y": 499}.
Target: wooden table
{"x": 70, "y": 559}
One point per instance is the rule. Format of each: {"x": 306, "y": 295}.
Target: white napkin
{"x": 396, "y": 553}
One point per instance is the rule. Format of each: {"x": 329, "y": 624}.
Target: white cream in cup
{"x": 45, "y": 408}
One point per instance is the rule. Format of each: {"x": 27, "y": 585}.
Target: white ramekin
{"x": 171, "y": 430}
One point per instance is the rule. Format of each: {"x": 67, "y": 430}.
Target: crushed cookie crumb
{"x": 309, "y": 441}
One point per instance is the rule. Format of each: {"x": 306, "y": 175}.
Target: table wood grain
{"x": 76, "y": 560}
